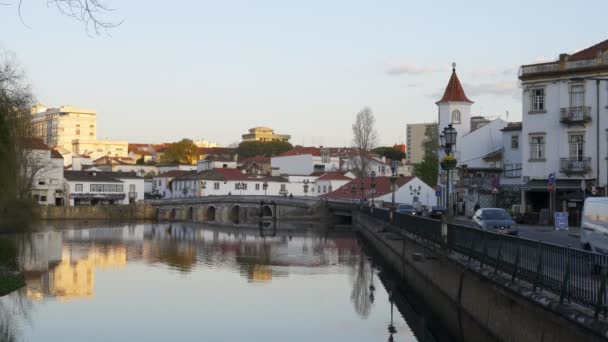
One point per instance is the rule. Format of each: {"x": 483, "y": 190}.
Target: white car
{"x": 594, "y": 225}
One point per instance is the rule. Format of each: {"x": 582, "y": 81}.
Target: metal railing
{"x": 575, "y": 115}
{"x": 574, "y": 275}
{"x": 575, "y": 165}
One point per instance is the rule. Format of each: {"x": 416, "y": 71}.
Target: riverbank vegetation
{"x": 9, "y": 279}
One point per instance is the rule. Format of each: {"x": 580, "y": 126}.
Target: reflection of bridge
{"x": 248, "y": 209}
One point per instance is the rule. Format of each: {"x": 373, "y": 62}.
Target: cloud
{"x": 500, "y": 88}
{"x": 412, "y": 69}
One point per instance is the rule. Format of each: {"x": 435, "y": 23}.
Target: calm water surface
{"x": 187, "y": 282}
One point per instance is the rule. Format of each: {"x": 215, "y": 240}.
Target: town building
{"x": 60, "y": 126}
{"x": 144, "y": 152}
{"x": 565, "y": 123}
{"x": 408, "y": 190}
{"x": 100, "y": 148}
{"x": 264, "y": 134}
{"x": 44, "y": 168}
{"x": 305, "y": 160}
{"x": 330, "y": 181}
{"x": 103, "y": 188}
{"x": 258, "y": 165}
{"x": 415, "y": 137}
{"x": 205, "y": 143}
{"x": 161, "y": 184}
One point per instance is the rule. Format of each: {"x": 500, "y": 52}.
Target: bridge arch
{"x": 210, "y": 213}
{"x": 234, "y": 214}
{"x": 266, "y": 211}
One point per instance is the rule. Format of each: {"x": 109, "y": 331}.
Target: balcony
{"x": 575, "y": 115}
{"x": 575, "y": 165}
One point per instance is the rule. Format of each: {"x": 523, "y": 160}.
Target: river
{"x": 194, "y": 282}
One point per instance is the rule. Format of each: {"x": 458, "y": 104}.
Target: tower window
{"x": 456, "y": 117}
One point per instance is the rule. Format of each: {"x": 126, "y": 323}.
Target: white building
{"x": 103, "y": 188}
{"x": 330, "y": 181}
{"x": 305, "y": 160}
{"x": 161, "y": 184}
{"x": 221, "y": 182}
{"x": 45, "y": 168}
{"x": 565, "y": 126}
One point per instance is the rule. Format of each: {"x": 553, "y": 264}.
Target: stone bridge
{"x": 248, "y": 209}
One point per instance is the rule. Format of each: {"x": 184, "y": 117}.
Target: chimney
{"x": 76, "y": 163}
{"x": 274, "y": 172}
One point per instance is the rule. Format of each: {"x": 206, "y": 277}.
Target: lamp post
{"x": 391, "y": 327}
{"x": 373, "y": 186}
{"x": 597, "y": 80}
{"x": 306, "y": 181}
{"x": 393, "y": 187}
{"x": 241, "y": 186}
{"x": 362, "y": 188}
{"x": 203, "y": 187}
{"x": 185, "y": 189}
{"x": 265, "y": 186}
{"x": 448, "y": 140}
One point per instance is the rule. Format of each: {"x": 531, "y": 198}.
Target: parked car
{"x": 496, "y": 220}
{"x": 594, "y": 225}
{"x": 437, "y": 212}
{"x": 406, "y": 209}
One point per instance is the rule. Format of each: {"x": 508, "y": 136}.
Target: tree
{"x": 248, "y": 149}
{"x": 92, "y": 13}
{"x": 428, "y": 169}
{"x": 389, "y": 152}
{"x": 365, "y": 139}
{"x": 181, "y": 152}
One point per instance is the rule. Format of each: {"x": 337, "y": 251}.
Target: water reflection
{"x": 168, "y": 280}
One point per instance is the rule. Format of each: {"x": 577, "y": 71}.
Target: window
{"x": 324, "y": 188}
{"x": 216, "y": 186}
{"x": 54, "y": 181}
{"x": 577, "y": 95}
{"x": 236, "y": 186}
{"x": 41, "y": 181}
{"x": 244, "y": 186}
{"x": 132, "y": 188}
{"x": 283, "y": 187}
{"x": 78, "y": 188}
{"x": 42, "y": 198}
{"x": 329, "y": 188}
{"x": 325, "y": 158}
{"x": 537, "y": 147}
{"x": 456, "y": 116}
{"x": 257, "y": 186}
{"x": 77, "y": 131}
{"x": 538, "y": 100}
{"x": 319, "y": 189}
{"x": 513, "y": 170}
{"x": 515, "y": 142}
{"x": 576, "y": 146}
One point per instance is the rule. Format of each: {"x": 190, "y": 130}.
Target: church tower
{"x": 455, "y": 107}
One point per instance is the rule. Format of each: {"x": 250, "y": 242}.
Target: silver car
{"x": 594, "y": 226}
{"x": 496, "y": 220}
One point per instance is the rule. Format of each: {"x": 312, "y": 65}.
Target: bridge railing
{"x": 574, "y": 275}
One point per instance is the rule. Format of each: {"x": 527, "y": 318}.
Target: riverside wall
{"x": 106, "y": 212}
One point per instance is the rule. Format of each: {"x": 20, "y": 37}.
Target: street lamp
{"x": 203, "y": 187}
{"x": 391, "y": 327}
{"x": 393, "y": 188}
{"x": 597, "y": 124}
{"x": 265, "y": 186}
{"x": 373, "y": 186}
{"x": 448, "y": 141}
{"x": 306, "y": 181}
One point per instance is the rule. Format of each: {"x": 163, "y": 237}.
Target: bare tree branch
{"x": 365, "y": 138}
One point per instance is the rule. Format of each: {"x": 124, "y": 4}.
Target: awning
{"x": 561, "y": 184}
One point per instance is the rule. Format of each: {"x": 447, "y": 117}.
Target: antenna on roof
{"x": 507, "y": 116}
{"x": 453, "y": 66}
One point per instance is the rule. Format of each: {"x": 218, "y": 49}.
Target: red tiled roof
{"x": 454, "y": 92}
{"x": 255, "y": 159}
{"x": 334, "y": 176}
{"x": 383, "y": 187}
{"x": 33, "y": 143}
{"x": 315, "y": 151}
{"x": 590, "y": 52}
{"x": 228, "y": 175}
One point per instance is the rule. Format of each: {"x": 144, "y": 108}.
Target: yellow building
{"x": 100, "y": 148}
{"x": 264, "y": 134}
{"x": 60, "y": 126}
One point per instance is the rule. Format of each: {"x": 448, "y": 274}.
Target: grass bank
{"x": 10, "y": 283}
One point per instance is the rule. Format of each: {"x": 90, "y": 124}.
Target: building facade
{"x": 264, "y": 134}
{"x": 415, "y": 137}
{"x": 306, "y": 160}
{"x": 60, "y": 126}
{"x": 44, "y": 167}
{"x": 100, "y": 148}
{"x": 565, "y": 123}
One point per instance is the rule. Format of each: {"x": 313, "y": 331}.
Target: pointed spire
{"x": 454, "y": 92}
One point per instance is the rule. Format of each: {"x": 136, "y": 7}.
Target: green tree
{"x": 389, "y": 152}
{"x": 428, "y": 169}
{"x": 182, "y": 152}
{"x": 248, "y": 149}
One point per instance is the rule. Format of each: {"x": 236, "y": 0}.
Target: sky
{"x": 213, "y": 69}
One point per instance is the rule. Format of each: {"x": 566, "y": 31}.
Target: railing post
{"x": 444, "y": 233}
{"x": 539, "y": 269}
{"x": 516, "y": 268}
{"x": 599, "y": 304}
{"x": 472, "y": 249}
{"x": 485, "y": 250}
{"x": 566, "y": 281}
{"x": 498, "y": 258}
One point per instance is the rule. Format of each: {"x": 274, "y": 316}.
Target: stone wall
{"x": 473, "y": 307}
{"x": 105, "y": 212}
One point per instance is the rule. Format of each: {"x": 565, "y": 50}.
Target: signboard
{"x": 438, "y": 192}
{"x": 551, "y": 177}
{"x": 551, "y": 182}
{"x": 561, "y": 220}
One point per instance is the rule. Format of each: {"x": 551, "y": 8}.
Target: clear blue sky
{"x": 213, "y": 69}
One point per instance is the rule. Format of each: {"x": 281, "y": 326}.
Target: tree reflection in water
{"x": 14, "y": 308}
{"x": 361, "y": 291}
